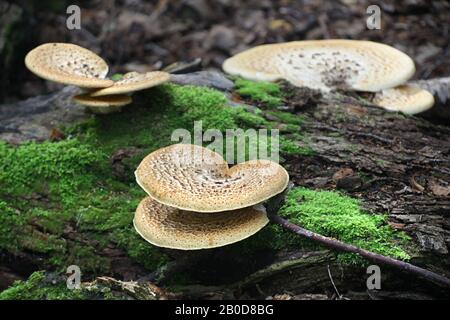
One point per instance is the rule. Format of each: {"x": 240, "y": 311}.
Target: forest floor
{"x": 71, "y": 199}
{"x": 214, "y": 30}
{"x": 68, "y": 194}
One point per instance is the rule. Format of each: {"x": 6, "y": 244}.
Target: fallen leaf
{"x": 439, "y": 190}
{"x": 342, "y": 173}
{"x": 56, "y": 135}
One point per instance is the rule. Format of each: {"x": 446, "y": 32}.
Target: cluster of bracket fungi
{"x": 73, "y": 65}
{"x": 362, "y": 66}
{"x": 197, "y": 202}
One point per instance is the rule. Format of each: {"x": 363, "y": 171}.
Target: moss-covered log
{"x": 68, "y": 194}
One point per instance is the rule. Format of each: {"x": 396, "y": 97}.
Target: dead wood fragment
{"x": 136, "y": 290}
{"x": 341, "y": 246}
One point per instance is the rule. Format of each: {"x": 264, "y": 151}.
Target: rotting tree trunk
{"x": 341, "y": 246}
{"x": 405, "y": 160}
{"x": 395, "y": 164}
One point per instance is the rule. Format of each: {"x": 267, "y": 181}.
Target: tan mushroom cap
{"x": 170, "y": 227}
{"x": 325, "y": 64}
{"x": 194, "y": 178}
{"x": 134, "y": 81}
{"x": 68, "y": 64}
{"x": 407, "y": 99}
{"x": 103, "y": 104}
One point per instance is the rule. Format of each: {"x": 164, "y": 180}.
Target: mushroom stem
{"x": 275, "y": 204}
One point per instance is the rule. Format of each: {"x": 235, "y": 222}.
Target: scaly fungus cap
{"x": 408, "y": 99}
{"x": 170, "y": 227}
{"x": 103, "y": 104}
{"x": 134, "y": 81}
{"x": 68, "y": 64}
{"x": 194, "y": 178}
{"x": 325, "y": 64}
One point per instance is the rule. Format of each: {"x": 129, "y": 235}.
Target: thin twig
{"x": 341, "y": 246}
{"x": 332, "y": 282}
{"x": 276, "y": 203}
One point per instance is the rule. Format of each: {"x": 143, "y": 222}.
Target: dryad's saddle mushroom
{"x": 187, "y": 181}
{"x": 68, "y": 64}
{"x": 170, "y": 227}
{"x": 134, "y": 81}
{"x": 194, "y": 178}
{"x": 103, "y": 104}
{"x": 408, "y": 99}
{"x": 325, "y": 64}
{"x": 73, "y": 65}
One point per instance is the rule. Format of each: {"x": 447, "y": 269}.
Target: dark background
{"x": 148, "y": 35}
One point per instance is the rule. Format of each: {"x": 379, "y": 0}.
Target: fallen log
{"x": 378, "y": 258}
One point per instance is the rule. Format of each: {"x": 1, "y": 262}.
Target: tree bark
{"x": 399, "y": 165}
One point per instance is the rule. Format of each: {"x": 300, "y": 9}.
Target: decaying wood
{"x": 396, "y": 164}
{"x": 273, "y": 207}
{"x": 135, "y": 290}
{"x": 35, "y": 118}
{"x": 148, "y": 290}
{"x": 394, "y": 153}
{"x": 378, "y": 258}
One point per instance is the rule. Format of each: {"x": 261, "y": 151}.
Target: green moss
{"x": 10, "y": 224}
{"x": 287, "y": 117}
{"x": 55, "y": 191}
{"x": 150, "y": 122}
{"x": 55, "y": 169}
{"x": 37, "y": 287}
{"x": 266, "y": 93}
{"x": 70, "y": 185}
{"x": 76, "y": 182}
{"x": 249, "y": 120}
{"x": 291, "y": 147}
{"x": 49, "y": 286}
{"x": 183, "y": 105}
{"x": 116, "y": 77}
{"x": 335, "y": 215}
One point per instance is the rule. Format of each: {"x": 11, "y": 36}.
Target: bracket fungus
{"x": 408, "y": 99}
{"x": 325, "y": 64}
{"x": 103, "y": 104}
{"x": 68, "y": 64}
{"x": 73, "y": 65}
{"x": 187, "y": 181}
{"x": 193, "y": 178}
{"x": 170, "y": 227}
{"x": 134, "y": 81}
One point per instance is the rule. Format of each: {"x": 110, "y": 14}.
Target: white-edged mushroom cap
{"x": 170, "y": 227}
{"x": 68, "y": 64}
{"x": 134, "y": 81}
{"x": 325, "y": 64}
{"x": 194, "y": 178}
{"x": 408, "y": 99}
